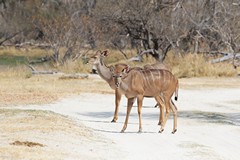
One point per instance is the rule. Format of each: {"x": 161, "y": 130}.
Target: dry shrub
{"x": 188, "y": 65}
{"x": 116, "y": 56}
{"x": 192, "y": 65}
{"x": 77, "y": 66}
{"x": 20, "y": 71}
{"x": 25, "y": 51}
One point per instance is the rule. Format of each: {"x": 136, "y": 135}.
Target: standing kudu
{"x": 146, "y": 83}
{"x": 105, "y": 73}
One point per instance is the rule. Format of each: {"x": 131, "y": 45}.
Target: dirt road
{"x": 208, "y": 126}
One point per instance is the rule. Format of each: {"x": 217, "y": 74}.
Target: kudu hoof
{"x": 159, "y": 123}
{"x": 139, "y": 131}
{"x": 122, "y": 131}
{"x": 161, "y": 130}
{"x": 114, "y": 121}
{"x": 174, "y": 131}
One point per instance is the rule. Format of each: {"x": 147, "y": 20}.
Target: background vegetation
{"x": 63, "y": 34}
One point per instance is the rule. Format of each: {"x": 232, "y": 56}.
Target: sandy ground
{"x": 208, "y": 127}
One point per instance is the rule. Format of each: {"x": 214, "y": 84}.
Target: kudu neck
{"x": 103, "y": 71}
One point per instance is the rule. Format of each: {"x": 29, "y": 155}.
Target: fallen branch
{"x": 148, "y": 51}
{"x": 36, "y": 45}
{"x": 63, "y": 76}
{"x": 44, "y": 72}
{"x": 74, "y": 76}
{"x": 34, "y": 71}
{"x": 136, "y": 59}
{"x": 40, "y": 60}
{"x": 227, "y": 56}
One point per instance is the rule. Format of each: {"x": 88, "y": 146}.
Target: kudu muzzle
{"x": 117, "y": 80}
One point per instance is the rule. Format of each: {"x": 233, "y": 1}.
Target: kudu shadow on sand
{"x": 100, "y": 117}
{"x": 212, "y": 117}
{"x": 203, "y": 116}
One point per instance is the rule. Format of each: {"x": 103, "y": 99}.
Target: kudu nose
{"x": 117, "y": 84}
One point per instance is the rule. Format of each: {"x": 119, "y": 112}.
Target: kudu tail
{"x": 176, "y": 91}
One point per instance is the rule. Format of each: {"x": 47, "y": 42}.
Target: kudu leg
{"x": 129, "y": 107}
{"x": 167, "y": 108}
{"x": 140, "y": 100}
{"x": 161, "y": 106}
{"x": 174, "y": 109}
{"x": 117, "y": 102}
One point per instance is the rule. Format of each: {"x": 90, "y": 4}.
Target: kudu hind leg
{"x": 174, "y": 109}
{"x": 167, "y": 108}
{"x": 129, "y": 107}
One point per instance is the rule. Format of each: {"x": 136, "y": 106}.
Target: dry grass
{"x": 206, "y": 82}
{"x": 45, "y": 89}
{"x": 30, "y": 134}
{"x": 75, "y": 67}
{"x": 42, "y": 89}
{"x": 189, "y": 65}
{"x": 192, "y": 65}
{"x": 29, "y": 52}
{"x": 18, "y": 86}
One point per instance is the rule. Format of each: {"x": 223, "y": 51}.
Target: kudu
{"x": 146, "y": 83}
{"x": 105, "y": 73}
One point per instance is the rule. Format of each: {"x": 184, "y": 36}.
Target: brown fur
{"x": 104, "y": 73}
{"x": 147, "y": 83}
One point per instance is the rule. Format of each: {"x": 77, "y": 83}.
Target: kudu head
{"x": 119, "y": 72}
{"x": 98, "y": 55}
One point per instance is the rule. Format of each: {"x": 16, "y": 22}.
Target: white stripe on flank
{"x": 166, "y": 77}
{"x": 144, "y": 73}
{"x": 144, "y": 78}
{"x": 170, "y": 77}
{"x": 163, "y": 76}
{"x": 159, "y": 75}
{"x": 147, "y": 79}
{"x": 153, "y": 79}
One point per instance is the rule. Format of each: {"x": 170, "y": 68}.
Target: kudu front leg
{"x": 117, "y": 102}
{"x": 140, "y": 100}
{"x": 129, "y": 107}
{"x": 161, "y": 106}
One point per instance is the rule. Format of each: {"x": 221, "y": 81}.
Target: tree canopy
{"x": 150, "y": 26}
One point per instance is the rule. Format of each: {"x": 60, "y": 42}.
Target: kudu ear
{"x": 105, "y": 53}
{"x": 111, "y": 68}
{"x": 126, "y": 69}
{"x": 98, "y": 52}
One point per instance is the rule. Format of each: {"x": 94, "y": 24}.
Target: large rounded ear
{"x": 98, "y": 52}
{"x": 105, "y": 53}
{"x": 111, "y": 68}
{"x": 126, "y": 69}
